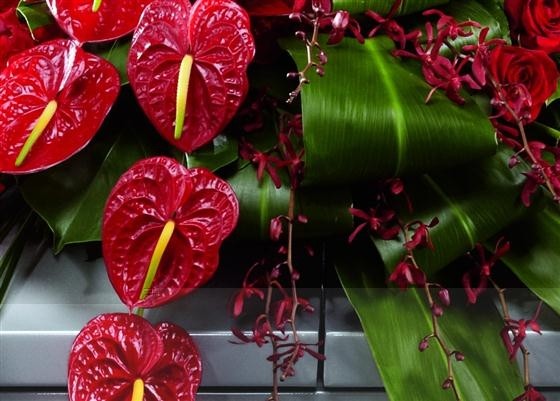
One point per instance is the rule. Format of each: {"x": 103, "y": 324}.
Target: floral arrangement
{"x": 418, "y": 138}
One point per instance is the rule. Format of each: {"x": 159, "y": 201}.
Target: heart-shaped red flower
{"x": 121, "y": 357}
{"x": 187, "y": 66}
{"x": 162, "y": 229}
{"x": 53, "y": 99}
{"x": 97, "y": 20}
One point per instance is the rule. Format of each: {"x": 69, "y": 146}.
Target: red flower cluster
{"x": 523, "y": 80}
{"x": 475, "y": 281}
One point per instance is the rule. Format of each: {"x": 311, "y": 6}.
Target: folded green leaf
{"x": 221, "y": 152}
{"x": 383, "y": 6}
{"x": 117, "y": 54}
{"x": 535, "y": 253}
{"x": 326, "y": 209}
{"x": 472, "y": 204}
{"x": 486, "y": 12}
{"x": 378, "y": 124}
{"x": 70, "y": 197}
{"x": 36, "y": 15}
{"x": 394, "y": 323}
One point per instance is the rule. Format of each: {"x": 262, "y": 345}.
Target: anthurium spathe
{"x": 187, "y": 66}
{"x": 162, "y": 228}
{"x": 119, "y": 357}
{"x": 97, "y": 20}
{"x": 53, "y": 99}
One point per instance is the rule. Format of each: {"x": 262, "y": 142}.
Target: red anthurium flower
{"x": 162, "y": 229}
{"x": 123, "y": 357}
{"x": 54, "y": 98}
{"x": 187, "y": 66}
{"x": 14, "y": 35}
{"x": 269, "y": 8}
{"x": 97, "y": 20}
{"x": 8, "y": 5}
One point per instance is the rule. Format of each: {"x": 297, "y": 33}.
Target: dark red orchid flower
{"x": 530, "y": 394}
{"x": 118, "y": 357}
{"x": 162, "y": 229}
{"x": 187, "y": 66}
{"x": 97, "y": 20}
{"x": 54, "y": 98}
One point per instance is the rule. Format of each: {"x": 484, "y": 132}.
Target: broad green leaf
{"x": 36, "y": 15}
{"x": 538, "y": 128}
{"x": 378, "y": 124}
{"x": 535, "y": 253}
{"x": 383, "y": 6}
{"x": 472, "y": 204}
{"x": 220, "y": 153}
{"x": 326, "y": 209}
{"x": 117, "y": 54}
{"x": 14, "y": 250}
{"x": 71, "y": 196}
{"x": 486, "y": 12}
{"x": 394, "y": 323}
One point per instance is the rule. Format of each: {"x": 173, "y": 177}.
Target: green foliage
{"x": 383, "y": 6}
{"x": 394, "y": 323}
{"x": 326, "y": 209}
{"x": 472, "y": 204}
{"x": 535, "y": 255}
{"x": 366, "y": 118}
{"x": 71, "y": 196}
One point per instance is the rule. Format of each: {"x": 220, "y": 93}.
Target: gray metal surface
{"x": 49, "y": 303}
{"x": 47, "y": 307}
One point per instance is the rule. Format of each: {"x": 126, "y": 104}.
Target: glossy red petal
{"x": 84, "y": 87}
{"x": 113, "y": 19}
{"x": 178, "y": 373}
{"x": 212, "y": 203}
{"x": 217, "y": 35}
{"x": 151, "y": 193}
{"x": 139, "y": 206}
{"x": 110, "y": 352}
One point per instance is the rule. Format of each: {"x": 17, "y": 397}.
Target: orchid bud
{"x": 443, "y": 295}
{"x": 437, "y": 310}
{"x": 423, "y": 346}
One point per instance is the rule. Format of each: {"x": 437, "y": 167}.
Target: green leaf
{"x": 378, "y": 124}
{"x": 117, "y": 54}
{"x": 71, "y": 196}
{"x": 220, "y": 153}
{"x": 14, "y": 250}
{"x": 326, "y": 209}
{"x": 554, "y": 96}
{"x": 535, "y": 255}
{"x": 394, "y": 323}
{"x": 539, "y": 128}
{"x": 486, "y": 12}
{"x": 36, "y": 15}
{"x": 472, "y": 204}
{"x": 383, "y": 6}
